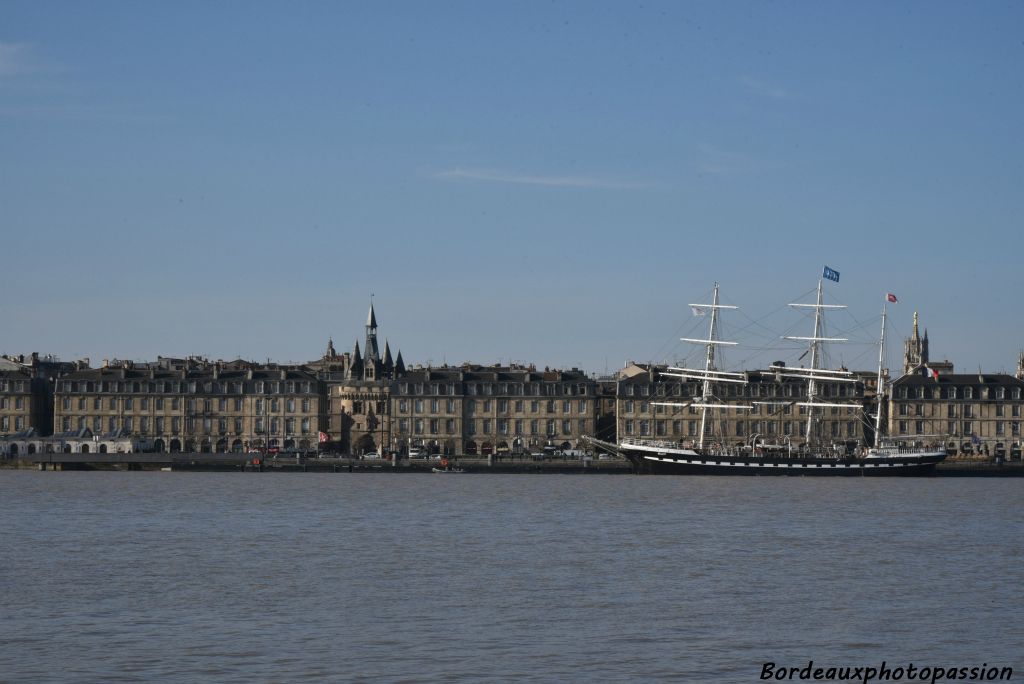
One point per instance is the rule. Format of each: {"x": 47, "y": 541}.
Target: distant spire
{"x": 915, "y": 335}
{"x": 388, "y": 363}
{"x": 371, "y": 318}
{"x": 330, "y": 349}
{"x": 399, "y": 364}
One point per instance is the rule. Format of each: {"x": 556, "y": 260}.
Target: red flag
{"x": 323, "y": 437}
{"x": 891, "y": 297}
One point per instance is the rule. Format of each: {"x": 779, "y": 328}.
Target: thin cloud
{"x": 497, "y": 176}
{"x": 763, "y": 89}
{"x": 718, "y": 162}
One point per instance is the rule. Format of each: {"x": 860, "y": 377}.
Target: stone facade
{"x": 195, "y": 405}
{"x": 972, "y": 414}
{"x": 492, "y": 410}
{"x": 26, "y": 393}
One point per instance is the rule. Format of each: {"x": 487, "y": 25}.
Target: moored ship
{"x": 712, "y": 455}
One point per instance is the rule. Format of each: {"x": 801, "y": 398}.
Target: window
{"x": 968, "y": 428}
{"x": 566, "y": 427}
{"x": 435, "y": 425}
{"x": 903, "y": 427}
{"x": 629, "y": 427}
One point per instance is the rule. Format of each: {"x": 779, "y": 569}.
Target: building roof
{"x": 949, "y": 379}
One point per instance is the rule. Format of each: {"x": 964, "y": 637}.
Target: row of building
{"x": 366, "y": 401}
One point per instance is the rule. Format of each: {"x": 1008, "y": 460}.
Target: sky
{"x": 541, "y": 182}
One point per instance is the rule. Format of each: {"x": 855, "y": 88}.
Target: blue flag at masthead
{"x": 830, "y": 274}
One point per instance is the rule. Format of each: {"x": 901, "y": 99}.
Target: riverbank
{"x": 251, "y": 463}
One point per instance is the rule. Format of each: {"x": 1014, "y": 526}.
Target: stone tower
{"x": 915, "y": 350}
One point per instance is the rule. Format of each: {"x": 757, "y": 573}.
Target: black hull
{"x": 698, "y": 464}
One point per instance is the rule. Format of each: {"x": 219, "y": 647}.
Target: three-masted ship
{"x": 711, "y": 455}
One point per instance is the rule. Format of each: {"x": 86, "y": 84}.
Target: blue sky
{"x": 549, "y": 182}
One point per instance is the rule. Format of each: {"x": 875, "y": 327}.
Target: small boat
{"x": 446, "y": 468}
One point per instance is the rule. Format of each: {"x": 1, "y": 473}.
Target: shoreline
{"x": 246, "y": 463}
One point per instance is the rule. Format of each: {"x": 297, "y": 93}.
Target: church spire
{"x": 371, "y": 319}
{"x": 372, "y": 355}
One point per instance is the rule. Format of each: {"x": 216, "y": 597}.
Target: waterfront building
{"x": 492, "y": 410}
{"x": 357, "y": 388}
{"x": 973, "y": 414}
{"x": 194, "y": 405}
{"x": 26, "y": 392}
{"x": 775, "y": 414}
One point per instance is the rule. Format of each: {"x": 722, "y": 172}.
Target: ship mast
{"x": 709, "y": 374}
{"x": 815, "y": 373}
{"x": 880, "y": 387}
{"x": 815, "y": 349}
{"x": 709, "y": 365}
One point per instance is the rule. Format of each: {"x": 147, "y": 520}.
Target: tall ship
{"x": 710, "y": 454}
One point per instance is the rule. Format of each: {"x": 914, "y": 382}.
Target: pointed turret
{"x": 371, "y": 319}
{"x": 399, "y": 364}
{"x": 355, "y": 368}
{"x": 388, "y": 363}
{"x": 330, "y": 354}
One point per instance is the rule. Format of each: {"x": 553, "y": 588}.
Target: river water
{"x": 247, "y": 577}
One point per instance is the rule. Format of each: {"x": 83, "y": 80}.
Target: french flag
{"x": 931, "y": 373}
